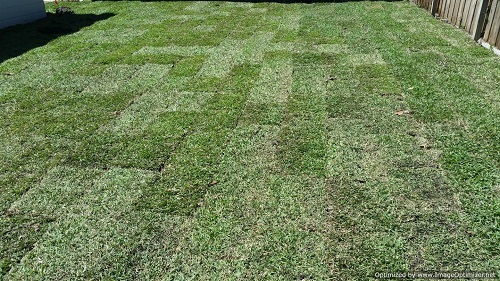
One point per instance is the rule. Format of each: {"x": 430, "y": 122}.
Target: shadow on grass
{"x": 19, "y": 39}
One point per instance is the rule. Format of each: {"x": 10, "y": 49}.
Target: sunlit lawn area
{"x": 236, "y": 140}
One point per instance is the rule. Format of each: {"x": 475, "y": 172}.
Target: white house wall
{"x": 20, "y": 11}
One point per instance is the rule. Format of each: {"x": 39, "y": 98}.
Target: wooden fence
{"x": 480, "y": 18}
{"x": 492, "y": 28}
{"x": 426, "y": 4}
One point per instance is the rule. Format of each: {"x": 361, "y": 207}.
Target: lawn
{"x": 237, "y": 140}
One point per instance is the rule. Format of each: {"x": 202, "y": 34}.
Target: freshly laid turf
{"x": 237, "y": 140}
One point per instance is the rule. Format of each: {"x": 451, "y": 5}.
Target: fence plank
{"x": 424, "y": 4}
{"x": 460, "y": 13}
{"x": 479, "y": 19}
{"x": 490, "y": 20}
{"x": 432, "y": 5}
{"x": 428, "y": 5}
{"x": 497, "y": 43}
{"x": 495, "y": 27}
{"x": 474, "y": 16}
{"x": 470, "y": 19}
{"x": 442, "y": 9}
{"x": 435, "y": 6}
{"x": 454, "y": 11}
{"x": 450, "y": 11}
{"x": 466, "y": 13}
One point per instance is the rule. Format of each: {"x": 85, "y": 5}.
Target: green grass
{"x": 233, "y": 140}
